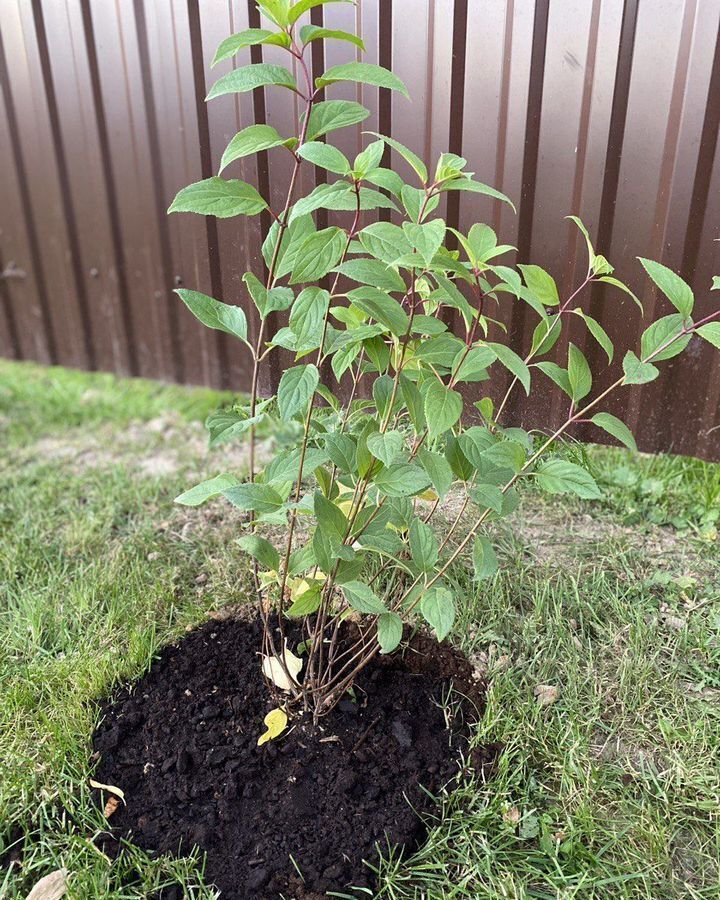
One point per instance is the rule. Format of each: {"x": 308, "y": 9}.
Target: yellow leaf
{"x": 429, "y": 494}
{"x": 276, "y": 672}
{"x": 276, "y": 723}
{"x": 108, "y": 787}
{"x": 269, "y": 577}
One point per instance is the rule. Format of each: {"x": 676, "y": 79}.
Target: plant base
{"x": 182, "y": 745}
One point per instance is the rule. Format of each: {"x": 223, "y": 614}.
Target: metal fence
{"x": 605, "y": 108}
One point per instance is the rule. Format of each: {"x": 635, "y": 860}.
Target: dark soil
{"x": 182, "y": 745}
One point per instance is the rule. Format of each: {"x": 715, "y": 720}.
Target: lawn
{"x": 599, "y": 639}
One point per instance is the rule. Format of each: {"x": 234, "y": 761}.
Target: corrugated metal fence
{"x": 605, "y": 108}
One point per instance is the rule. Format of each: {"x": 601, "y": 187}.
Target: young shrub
{"x": 371, "y": 462}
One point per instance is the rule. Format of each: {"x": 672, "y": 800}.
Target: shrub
{"x": 373, "y": 452}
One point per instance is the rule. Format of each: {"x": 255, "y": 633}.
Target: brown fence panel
{"x": 609, "y": 109}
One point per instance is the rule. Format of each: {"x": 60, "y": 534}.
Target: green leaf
{"x": 307, "y": 316}
{"x": 557, "y": 476}
{"x": 362, "y": 599}
{"x": 438, "y": 470}
{"x": 411, "y": 158}
{"x": 423, "y": 545}
{"x": 292, "y": 239}
{"x": 224, "y": 424}
{"x": 416, "y": 202}
{"x": 315, "y": 33}
{"x": 306, "y": 603}
{"x": 250, "y": 140}
{"x": 384, "y": 241}
{"x": 368, "y": 159}
{"x": 454, "y": 298}
{"x": 342, "y": 450}
{"x": 302, "y": 6}
{"x": 276, "y": 299}
{"x": 711, "y": 333}
{"x": 476, "y": 187}
{"x": 206, "y": 490}
{"x": 472, "y": 364}
{"x": 675, "y": 289}
{"x": 474, "y": 441}
{"x": 608, "y": 279}
{"x": 513, "y": 363}
{"x": 425, "y": 239}
{"x": 318, "y": 254}
{"x": 584, "y": 231}
{"x": 440, "y": 350}
{"x": 557, "y": 374}
{"x": 489, "y": 496}
{"x": 247, "y": 78}
{"x": 322, "y": 197}
{"x": 386, "y": 179}
{"x": 261, "y": 550}
{"x": 598, "y": 332}
{"x": 659, "y": 334}
{"x": 261, "y": 498}
{"x": 364, "y": 73}
{"x": 340, "y": 196}
{"x": 484, "y": 558}
{"x": 402, "y": 480}
{"x": 278, "y": 11}
{"x": 616, "y": 427}
{"x": 297, "y": 386}
{"x": 218, "y": 197}
{"x": 214, "y": 314}
{"x": 373, "y": 272}
{"x": 414, "y": 402}
{"x": 638, "y": 372}
{"x": 385, "y": 447}
{"x": 546, "y": 335}
{"x": 443, "y": 407}
{"x": 331, "y": 519}
{"x": 579, "y": 374}
{"x": 381, "y": 307}
{"x": 326, "y": 156}
{"x": 438, "y": 609}
{"x": 389, "y": 631}
{"x": 333, "y": 114}
{"x": 285, "y": 466}
{"x": 248, "y": 38}
{"x": 542, "y": 284}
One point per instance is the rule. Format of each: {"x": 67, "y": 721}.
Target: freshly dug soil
{"x": 182, "y": 745}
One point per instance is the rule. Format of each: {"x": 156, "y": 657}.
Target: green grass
{"x": 610, "y": 791}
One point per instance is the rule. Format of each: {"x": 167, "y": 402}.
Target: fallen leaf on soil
{"x": 51, "y": 887}
{"x": 110, "y": 788}
{"x": 111, "y": 806}
{"x": 546, "y": 694}
{"x": 276, "y": 723}
{"x": 284, "y": 676}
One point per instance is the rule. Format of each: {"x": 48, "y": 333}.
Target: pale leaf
{"x": 284, "y": 676}
{"x": 51, "y": 887}
{"x": 275, "y": 722}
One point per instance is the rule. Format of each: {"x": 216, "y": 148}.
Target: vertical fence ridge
{"x": 211, "y": 226}
{"x": 28, "y": 215}
{"x": 64, "y": 182}
{"x": 159, "y": 191}
{"x": 129, "y": 336}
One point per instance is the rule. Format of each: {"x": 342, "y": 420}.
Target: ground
{"x": 600, "y": 640}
